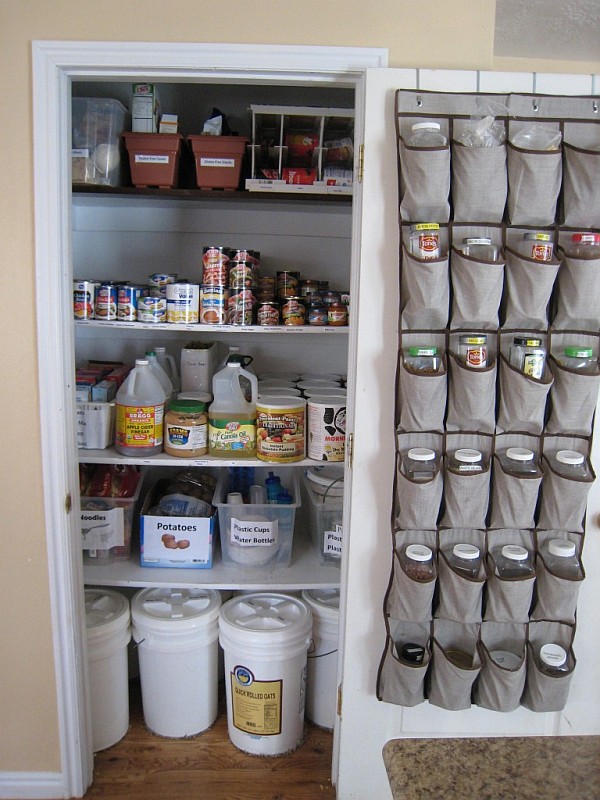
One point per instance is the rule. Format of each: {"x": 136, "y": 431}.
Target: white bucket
{"x": 265, "y": 637}
{"x": 177, "y": 631}
{"x": 108, "y": 633}
{"x": 321, "y": 681}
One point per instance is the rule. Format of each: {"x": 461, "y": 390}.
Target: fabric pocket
{"x": 522, "y": 398}
{"x": 507, "y": 599}
{"x": 501, "y": 681}
{"x": 418, "y": 501}
{"x": 574, "y": 393}
{"x": 460, "y": 595}
{"x": 399, "y": 681}
{"x": 466, "y": 493}
{"x": 563, "y": 499}
{"x": 581, "y": 159}
{"x": 545, "y": 692}
{"x": 514, "y": 497}
{"x": 455, "y": 665}
{"x": 528, "y": 288}
{"x": 424, "y": 183}
{"x": 477, "y": 291}
{"x": 409, "y": 599}
{"x": 479, "y": 183}
{"x": 556, "y": 595}
{"x": 421, "y": 394}
{"x": 577, "y": 301}
{"x": 424, "y": 292}
{"x": 471, "y": 393}
{"x": 534, "y": 181}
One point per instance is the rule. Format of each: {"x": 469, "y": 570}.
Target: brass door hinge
{"x": 361, "y": 162}
{"x": 68, "y": 503}
{"x": 350, "y": 448}
{"x": 339, "y": 700}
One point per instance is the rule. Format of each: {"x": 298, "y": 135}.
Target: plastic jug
{"x": 231, "y": 417}
{"x": 162, "y": 376}
{"x": 140, "y": 408}
{"x": 167, "y": 362}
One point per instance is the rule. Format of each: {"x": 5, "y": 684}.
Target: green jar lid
{"x": 422, "y": 351}
{"x": 188, "y": 406}
{"x": 577, "y": 351}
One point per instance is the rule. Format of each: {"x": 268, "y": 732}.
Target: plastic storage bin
{"x": 218, "y": 160}
{"x": 153, "y": 158}
{"x": 97, "y": 124}
{"x": 256, "y": 534}
{"x": 322, "y": 490}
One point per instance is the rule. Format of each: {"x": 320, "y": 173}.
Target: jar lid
{"x": 525, "y": 341}
{"x": 188, "y": 406}
{"x": 478, "y": 240}
{"x": 578, "y": 351}
{"x": 467, "y": 455}
{"x": 519, "y": 454}
{"x": 421, "y": 454}
{"x": 468, "y": 339}
{"x": 553, "y": 655}
{"x": 426, "y": 126}
{"x": 537, "y": 237}
{"x": 425, "y": 226}
{"x": 413, "y": 653}
{"x": 419, "y": 552}
{"x": 422, "y": 351}
{"x": 585, "y": 238}
{"x": 569, "y": 457}
{"x": 515, "y": 552}
{"x": 467, "y": 551}
{"x": 201, "y": 397}
{"x": 563, "y": 548}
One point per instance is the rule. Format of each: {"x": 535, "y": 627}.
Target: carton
{"x": 145, "y": 108}
{"x": 95, "y": 425}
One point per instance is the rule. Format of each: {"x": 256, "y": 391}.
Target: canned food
{"x": 152, "y": 308}
{"x": 308, "y": 288}
{"x": 326, "y": 428}
{"x": 425, "y": 240}
{"x": 241, "y": 275}
{"x": 213, "y": 310}
{"x": 183, "y": 303}
{"x": 287, "y": 284}
{"x": 330, "y": 297}
{"x": 105, "y": 306}
{"x": 162, "y": 278}
{"x": 280, "y": 429}
{"x": 293, "y": 311}
{"x": 266, "y": 288}
{"x": 240, "y": 307}
{"x": 253, "y": 256}
{"x": 268, "y": 313}
{"x": 84, "y": 298}
{"x": 317, "y": 314}
{"x": 127, "y": 302}
{"x": 473, "y": 350}
{"x": 215, "y": 255}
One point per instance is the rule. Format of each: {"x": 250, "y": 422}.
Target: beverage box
{"x": 191, "y": 538}
{"x": 97, "y": 125}
{"x": 257, "y": 534}
{"x": 106, "y": 526}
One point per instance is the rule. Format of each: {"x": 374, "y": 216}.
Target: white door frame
{"x": 55, "y": 65}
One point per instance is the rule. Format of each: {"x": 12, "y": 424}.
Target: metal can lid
{"x": 562, "y": 548}
{"x": 484, "y": 240}
{"x": 468, "y": 339}
{"x": 422, "y": 351}
{"x": 537, "y": 236}
{"x": 421, "y": 454}
{"x": 515, "y": 552}
{"x": 519, "y": 454}
{"x": 569, "y": 457}
{"x": 525, "y": 341}
{"x": 467, "y": 455}
{"x": 578, "y": 351}
{"x": 429, "y": 125}
{"x": 419, "y": 552}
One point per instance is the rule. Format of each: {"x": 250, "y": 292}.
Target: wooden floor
{"x": 143, "y": 766}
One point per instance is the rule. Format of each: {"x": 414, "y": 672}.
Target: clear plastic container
{"x": 552, "y": 659}
{"x": 425, "y": 240}
{"x": 427, "y": 134}
{"x": 527, "y": 355}
{"x": 422, "y": 358}
{"x": 420, "y": 464}
{"x": 480, "y": 248}
{"x": 518, "y": 461}
{"x": 417, "y": 562}
{"x": 465, "y": 559}
{"x": 472, "y": 350}
{"x": 537, "y": 245}
{"x": 561, "y": 559}
{"x": 513, "y": 561}
{"x": 578, "y": 357}
{"x": 466, "y": 460}
{"x": 583, "y": 245}
{"x": 570, "y": 464}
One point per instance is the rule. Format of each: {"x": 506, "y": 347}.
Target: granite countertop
{"x": 499, "y": 768}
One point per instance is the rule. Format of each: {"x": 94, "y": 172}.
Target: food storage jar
{"x": 425, "y": 240}
{"x": 570, "y": 464}
{"x": 466, "y": 460}
{"x": 537, "y": 245}
{"x": 426, "y": 134}
{"x": 465, "y": 559}
{"x": 513, "y": 561}
{"x": 481, "y": 248}
{"x": 420, "y": 464}
{"x": 422, "y": 358}
{"x": 579, "y": 357}
{"x": 518, "y": 461}
{"x": 528, "y": 356}
{"x": 583, "y": 245}
{"x": 417, "y": 562}
{"x": 552, "y": 659}
{"x": 472, "y": 350}
{"x": 560, "y": 556}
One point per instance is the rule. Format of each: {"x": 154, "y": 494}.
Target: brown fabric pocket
{"x": 545, "y": 692}
{"x": 500, "y": 685}
{"x": 409, "y": 599}
{"x": 450, "y": 683}
{"x": 399, "y": 682}
{"x": 479, "y": 183}
{"x": 507, "y": 599}
{"x": 534, "y": 181}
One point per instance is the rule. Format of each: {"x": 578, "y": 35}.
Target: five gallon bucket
{"x": 177, "y": 635}
{"x": 108, "y": 633}
{"x": 265, "y": 638}
{"x": 321, "y": 686}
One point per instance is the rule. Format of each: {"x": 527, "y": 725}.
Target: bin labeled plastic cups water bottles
{"x": 265, "y": 638}
{"x": 108, "y": 631}
{"x": 321, "y": 679}
{"x": 177, "y": 631}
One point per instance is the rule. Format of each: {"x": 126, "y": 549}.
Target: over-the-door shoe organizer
{"x": 501, "y": 193}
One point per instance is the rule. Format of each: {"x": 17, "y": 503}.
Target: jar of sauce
{"x": 537, "y": 245}
{"x": 528, "y": 356}
{"x": 186, "y": 429}
{"x": 317, "y": 312}
{"x": 337, "y": 314}
{"x": 472, "y": 349}
{"x": 425, "y": 240}
{"x": 583, "y": 245}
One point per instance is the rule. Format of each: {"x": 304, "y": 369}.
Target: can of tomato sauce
{"x": 280, "y": 429}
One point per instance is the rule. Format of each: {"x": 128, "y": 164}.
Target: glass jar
{"x": 513, "y": 561}
{"x": 465, "y": 460}
{"x": 186, "y": 429}
{"x": 570, "y": 464}
{"x": 465, "y": 559}
{"x": 317, "y": 312}
{"x": 537, "y": 245}
{"x": 426, "y": 134}
{"x": 472, "y": 350}
{"x": 480, "y": 248}
{"x": 417, "y": 562}
{"x": 518, "y": 461}
{"x": 422, "y": 358}
{"x": 528, "y": 356}
{"x": 578, "y": 357}
{"x": 552, "y": 660}
{"x": 583, "y": 245}
{"x": 560, "y": 556}
{"x": 410, "y": 653}
{"x": 337, "y": 314}
{"x": 425, "y": 240}
{"x": 420, "y": 464}
{"x": 459, "y": 658}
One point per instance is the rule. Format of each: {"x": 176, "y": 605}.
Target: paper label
{"x": 101, "y": 530}
{"x": 253, "y": 533}
{"x": 139, "y": 426}
{"x": 229, "y": 163}
{"x": 332, "y": 542}
{"x": 175, "y": 540}
{"x": 256, "y": 705}
{"x": 226, "y": 435}
{"x": 80, "y": 152}
{"x": 140, "y": 158}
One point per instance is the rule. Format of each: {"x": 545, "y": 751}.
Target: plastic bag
{"x": 536, "y": 136}
{"x": 483, "y": 129}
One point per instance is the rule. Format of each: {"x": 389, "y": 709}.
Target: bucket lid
{"x": 275, "y": 617}
{"x": 104, "y": 608}
{"x": 328, "y": 477}
{"x": 160, "y": 608}
{"x": 324, "y": 602}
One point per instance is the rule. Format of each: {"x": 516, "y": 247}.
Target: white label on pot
{"x": 332, "y": 542}
{"x": 216, "y": 162}
{"x": 140, "y": 158}
{"x": 101, "y": 530}
{"x": 254, "y": 533}
{"x": 80, "y": 152}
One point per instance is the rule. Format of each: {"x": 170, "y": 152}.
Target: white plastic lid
{"x": 141, "y": 362}
{"x": 505, "y": 659}
{"x": 281, "y": 402}
{"x": 426, "y": 126}
{"x": 272, "y": 615}
{"x": 519, "y": 454}
{"x": 324, "y": 601}
{"x": 467, "y": 455}
{"x": 563, "y": 548}
{"x": 202, "y": 397}
{"x": 421, "y": 454}
{"x": 515, "y": 552}
{"x": 158, "y": 608}
{"x": 328, "y": 476}
{"x": 419, "y": 552}
{"x": 569, "y": 457}
{"x": 103, "y": 607}
{"x": 467, "y": 551}
{"x": 553, "y": 655}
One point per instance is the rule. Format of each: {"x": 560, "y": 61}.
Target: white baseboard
{"x": 32, "y": 786}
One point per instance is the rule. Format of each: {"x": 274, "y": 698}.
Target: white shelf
{"x": 285, "y": 330}
{"x": 110, "y": 456}
{"x": 281, "y": 187}
{"x": 305, "y": 572}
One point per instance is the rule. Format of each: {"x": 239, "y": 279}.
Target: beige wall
{"x": 456, "y": 35}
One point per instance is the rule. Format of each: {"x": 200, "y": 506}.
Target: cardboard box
{"x": 197, "y": 367}
{"x": 145, "y": 108}
{"x": 193, "y": 537}
{"x": 95, "y": 425}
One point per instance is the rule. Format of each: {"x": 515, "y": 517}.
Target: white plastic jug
{"x": 162, "y": 376}
{"x": 231, "y": 417}
{"x": 140, "y": 409}
{"x": 168, "y": 363}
